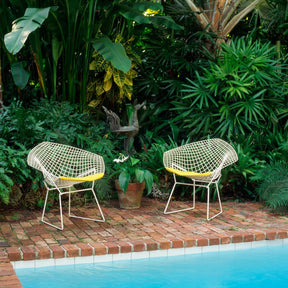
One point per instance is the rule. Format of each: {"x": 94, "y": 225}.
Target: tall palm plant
{"x": 241, "y": 94}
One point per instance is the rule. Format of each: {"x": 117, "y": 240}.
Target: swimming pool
{"x": 257, "y": 267}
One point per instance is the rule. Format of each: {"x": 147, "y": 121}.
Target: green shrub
{"x": 273, "y": 186}
{"x": 13, "y": 168}
{"x": 241, "y": 97}
{"x": 167, "y": 59}
{"x": 6, "y": 184}
{"x": 242, "y": 92}
{"x": 23, "y": 128}
{"x": 237, "y": 180}
{"x": 49, "y": 121}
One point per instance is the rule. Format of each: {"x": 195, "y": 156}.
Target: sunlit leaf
{"x": 113, "y": 52}
{"x": 22, "y": 27}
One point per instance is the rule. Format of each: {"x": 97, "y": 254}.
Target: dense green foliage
{"x": 46, "y": 121}
{"x": 60, "y": 38}
{"x": 273, "y": 186}
{"x": 238, "y": 93}
{"x": 242, "y": 97}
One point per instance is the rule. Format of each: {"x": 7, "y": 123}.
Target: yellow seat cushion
{"x": 85, "y": 178}
{"x": 188, "y": 173}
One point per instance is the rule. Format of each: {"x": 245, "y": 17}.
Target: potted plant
{"x": 132, "y": 180}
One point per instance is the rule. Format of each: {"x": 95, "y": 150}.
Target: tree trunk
{"x": 220, "y": 14}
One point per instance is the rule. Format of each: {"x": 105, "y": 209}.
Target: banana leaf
{"x": 135, "y": 13}
{"x": 113, "y": 52}
{"x": 166, "y": 21}
{"x": 23, "y": 26}
{"x": 19, "y": 74}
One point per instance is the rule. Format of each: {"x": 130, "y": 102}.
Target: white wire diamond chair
{"x": 201, "y": 162}
{"x": 64, "y": 166}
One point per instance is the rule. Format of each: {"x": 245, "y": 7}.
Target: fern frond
{"x": 273, "y": 189}
{"x": 103, "y": 188}
{"x": 4, "y": 193}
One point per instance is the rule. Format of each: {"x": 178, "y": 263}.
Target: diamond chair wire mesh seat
{"x": 64, "y": 166}
{"x": 201, "y": 162}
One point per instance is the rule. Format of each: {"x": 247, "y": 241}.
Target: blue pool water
{"x": 257, "y": 267}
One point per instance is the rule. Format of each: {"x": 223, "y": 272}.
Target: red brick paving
{"x": 24, "y": 237}
{"x": 8, "y": 278}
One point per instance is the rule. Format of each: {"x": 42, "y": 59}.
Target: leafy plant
{"x": 109, "y": 84}
{"x": 131, "y": 169}
{"x": 242, "y": 92}
{"x": 13, "y": 168}
{"x": 22, "y": 27}
{"x": 22, "y": 128}
{"x": 273, "y": 186}
{"x": 237, "y": 180}
{"x": 167, "y": 59}
{"x": 34, "y": 18}
{"x": 63, "y": 37}
{"x": 47, "y": 121}
{"x": 5, "y": 185}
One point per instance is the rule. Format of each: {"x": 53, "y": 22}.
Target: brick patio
{"x": 24, "y": 237}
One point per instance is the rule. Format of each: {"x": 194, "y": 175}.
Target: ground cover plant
{"x": 273, "y": 186}
{"x": 23, "y": 128}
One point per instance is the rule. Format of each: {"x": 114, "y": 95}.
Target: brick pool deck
{"x": 23, "y": 237}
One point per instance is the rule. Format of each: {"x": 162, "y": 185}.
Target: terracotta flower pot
{"x": 131, "y": 199}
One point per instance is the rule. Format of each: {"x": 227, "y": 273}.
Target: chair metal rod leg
{"x": 69, "y": 202}
{"x": 168, "y": 202}
{"x": 99, "y": 208}
{"x": 44, "y": 208}
{"x": 194, "y": 193}
{"x": 219, "y": 201}
{"x": 208, "y": 202}
{"x": 103, "y": 218}
{"x": 61, "y": 216}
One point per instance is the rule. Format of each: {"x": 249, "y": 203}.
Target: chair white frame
{"x": 202, "y": 163}
{"x": 64, "y": 166}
